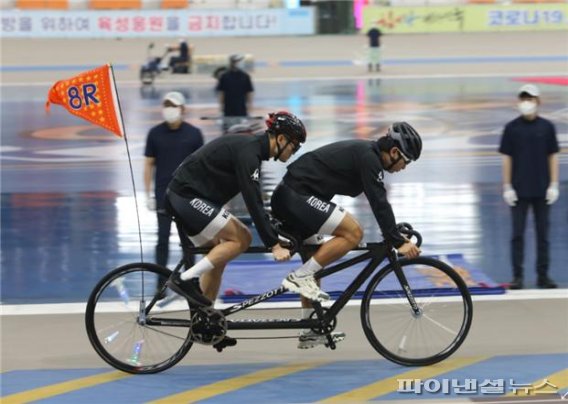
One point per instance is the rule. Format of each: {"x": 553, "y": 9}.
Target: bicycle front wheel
{"x": 428, "y": 336}
{"x": 117, "y": 322}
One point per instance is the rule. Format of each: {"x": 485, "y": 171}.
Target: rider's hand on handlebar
{"x": 409, "y": 250}
{"x": 280, "y": 253}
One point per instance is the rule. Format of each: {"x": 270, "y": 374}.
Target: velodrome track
{"x": 460, "y": 95}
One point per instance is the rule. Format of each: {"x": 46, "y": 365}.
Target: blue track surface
{"x": 67, "y": 210}
{"x": 317, "y": 381}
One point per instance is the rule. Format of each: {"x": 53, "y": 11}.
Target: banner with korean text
{"x": 468, "y": 18}
{"x": 156, "y": 23}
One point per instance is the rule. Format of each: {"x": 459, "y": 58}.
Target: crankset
{"x": 208, "y": 326}
{"x": 326, "y": 328}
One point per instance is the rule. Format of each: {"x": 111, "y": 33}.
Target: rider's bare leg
{"x": 231, "y": 241}
{"x": 348, "y": 235}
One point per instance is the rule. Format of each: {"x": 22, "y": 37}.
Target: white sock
{"x": 308, "y": 269}
{"x": 305, "y": 315}
{"x": 202, "y": 266}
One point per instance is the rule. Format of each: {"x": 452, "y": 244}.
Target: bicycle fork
{"x": 393, "y": 258}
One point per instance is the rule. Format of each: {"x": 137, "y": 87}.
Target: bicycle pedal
{"x": 224, "y": 343}
{"x": 335, "y": 340}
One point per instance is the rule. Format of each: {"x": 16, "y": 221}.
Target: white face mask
{"x": 527, "y": 108}
{"x": 171, "y": 114}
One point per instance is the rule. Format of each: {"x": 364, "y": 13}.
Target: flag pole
{"x": 123, "y": 129}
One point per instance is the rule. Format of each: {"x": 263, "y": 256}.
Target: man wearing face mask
{"x": 167, "y": 145}
{"x": 530, "y": 179}
{"x": 235, "y": 91}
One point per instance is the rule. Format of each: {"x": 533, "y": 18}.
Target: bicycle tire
{"x": 104, "y": 305}
{"x": 455, "y": 298}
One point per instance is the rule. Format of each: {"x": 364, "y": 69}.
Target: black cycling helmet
{"x": 247, "y": 128}
{"x": 406, "y": 139}
{"x": 287, "y": 124}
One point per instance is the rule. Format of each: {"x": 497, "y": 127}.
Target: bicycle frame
{"x": 375, "y": 252}
{"x": 208, "y": 326}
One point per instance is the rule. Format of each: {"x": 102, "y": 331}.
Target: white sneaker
{"x": 306, "y": 286}
{"x": 310, "y": 339}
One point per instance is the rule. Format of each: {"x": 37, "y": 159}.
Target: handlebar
{"x": 407, "y": 230}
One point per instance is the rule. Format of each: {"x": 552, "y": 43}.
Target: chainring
{"x": 208, "y": 326}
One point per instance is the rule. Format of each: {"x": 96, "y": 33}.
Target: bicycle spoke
{"x": 121, "y": 336}
{"x": 441, "y": 326}
{"x": 164, "y": 333}
{"x": 417, "y": 338}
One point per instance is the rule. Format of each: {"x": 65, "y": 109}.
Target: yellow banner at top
{"x": 469, "y": 18}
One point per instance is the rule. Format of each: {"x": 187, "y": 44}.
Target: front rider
{"x": 210, "y": 177}
{"x": 302, "y": 201}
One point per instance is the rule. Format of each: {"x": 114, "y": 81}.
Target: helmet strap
{"x": 279, "y": 151}
{"x": 393, "y": 162}
{"x": 278, "y": 148}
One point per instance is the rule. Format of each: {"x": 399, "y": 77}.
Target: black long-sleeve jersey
{"x": 346, "y": 168}
{"x": 224, "y": 167}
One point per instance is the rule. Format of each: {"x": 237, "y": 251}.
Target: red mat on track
{"x": 559, "y": 81}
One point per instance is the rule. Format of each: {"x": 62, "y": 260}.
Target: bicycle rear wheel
{"x": 410, "y": 339}
{"x": 118, "y": 331}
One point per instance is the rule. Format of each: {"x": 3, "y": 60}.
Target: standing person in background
{"x": 235, "y": 91}
{"x": 167, "y": 145}
{"x": 374, "y": 35}
{"x": 530, "y": 179}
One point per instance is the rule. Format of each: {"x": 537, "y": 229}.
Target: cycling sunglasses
{"x": 295, "y": 146}
{"x": 406, "y": 160}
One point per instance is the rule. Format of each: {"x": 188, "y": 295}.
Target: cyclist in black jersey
{"x": 208, "y": 179}
{"x": 302, "y": 201}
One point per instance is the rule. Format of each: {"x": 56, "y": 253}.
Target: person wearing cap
{"x": 302, "y": 202}
{"x": 530, "y": 180}
{"x": 167, "y": 145}
{"x": 235, "y": 92}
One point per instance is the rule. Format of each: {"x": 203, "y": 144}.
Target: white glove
{"x": 151, "y": 203}
{"x": 509, "y": 195}
{"x": 552, "y": 193}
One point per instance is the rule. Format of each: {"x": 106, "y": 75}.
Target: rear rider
{"x": 208, "y": 179}
{"x": 302, "y": 201}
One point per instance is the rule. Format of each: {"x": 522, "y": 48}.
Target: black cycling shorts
{"x": 305, "y": 215}
{"x": 202, "y": 219}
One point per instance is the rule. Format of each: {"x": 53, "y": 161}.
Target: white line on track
{"x": 210, "y": 80}
{"x": 79, "y": 308}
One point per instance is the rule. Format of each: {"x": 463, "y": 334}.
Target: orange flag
{"x": 92, "y": 96}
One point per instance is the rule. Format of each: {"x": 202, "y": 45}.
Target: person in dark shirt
{"x": 374, "y": 35}
{"x": 208, "y": 179}
{"x": 235, "y": 92}
{"x": 530, "y": 179}
{"x": 167, "y": 145}
{"x": 182, "y": 62}
{"x": 302, "y": 201}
